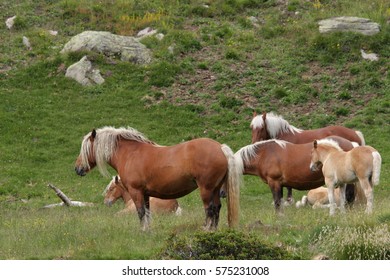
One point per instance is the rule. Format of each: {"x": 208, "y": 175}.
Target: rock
{"x": 148, "y": 31}
{"x": 53, "y": 32}
{"x": 26, "y": 42}
{"x": 171, "y": 49}
{"x": 83, "y": 73}
{"x": 125, "y": 47}
{"x": 10, "y": 22}
{"x": 160, "y": 36}
{"x": 369, "y": 56}
{"x": 349, "y": 24}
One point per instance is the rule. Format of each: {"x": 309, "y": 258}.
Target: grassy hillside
{"x": 224, "y": 66}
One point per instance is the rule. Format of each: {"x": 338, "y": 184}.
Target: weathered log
{"x": 66, "y": 200}
{"x": 61, "y": 195}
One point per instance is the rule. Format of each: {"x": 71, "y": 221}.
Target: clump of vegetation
{"x": 355, "y": 243}
{"x": 223, "y": 245}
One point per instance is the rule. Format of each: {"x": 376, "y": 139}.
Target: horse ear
{"x": 264, "y": 115}
{"x": 254, "y": 114}
{"x": 315, "y": 144}
{"x": 116, "y": 179}
{"x": 93, "y": 133}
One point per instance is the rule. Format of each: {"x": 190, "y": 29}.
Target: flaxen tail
{"x": 360, "y": 135}
{"x": 232, "y": 186}
{"x": 376, "y": 171}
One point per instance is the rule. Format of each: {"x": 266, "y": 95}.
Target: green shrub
{"x": 232, "y": 53}
{"x": 222, "y": 245}
{"x": 344, "y": 95}
{"x": 229, "y": 101}
{"x": 341, "y": 111}
{"x": 20, "y": 23}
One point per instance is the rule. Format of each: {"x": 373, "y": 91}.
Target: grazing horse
{"x": 361, "y": 164}
{"x": 282, "y": 164}
{"x": 168, "y": 172}
{"x": 272, "y": 126}
{"x": 115, "y": 190}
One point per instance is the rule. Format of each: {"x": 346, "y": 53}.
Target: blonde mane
{"x": 330, "y": 143}
{"x": 105, "y": 144}
{"x": 275, "y": 124}
{"x": 247, "y": 153}
{"x": 109, "y": 186}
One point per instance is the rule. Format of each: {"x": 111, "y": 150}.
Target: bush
{"x": 222, "y": 245}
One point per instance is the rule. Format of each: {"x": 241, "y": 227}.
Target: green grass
{"x": 223, "y": 68}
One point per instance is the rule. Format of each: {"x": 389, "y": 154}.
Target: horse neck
{"x": 250, "y": 164}
{"x": 325, "y": 152}
{"x": 289, "y": 137}
{"x": 124, "y": 150}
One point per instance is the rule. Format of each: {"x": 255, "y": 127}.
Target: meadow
{"x": 224, "y": 67}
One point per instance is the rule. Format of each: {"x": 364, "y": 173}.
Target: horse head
{"x": 86, "y": 159}
{"x": 259, "y": 128}
{"x": 113, "y": 191}
{"x": 315, "y": 163}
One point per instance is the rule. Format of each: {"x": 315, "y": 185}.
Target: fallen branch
{"x": 66, "y": 200}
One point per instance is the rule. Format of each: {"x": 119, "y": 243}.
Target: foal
{"x": 115, "y": 190}
{"x": 361, "y": 164}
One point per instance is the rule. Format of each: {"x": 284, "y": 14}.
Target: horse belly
{"x": 169, "y": 187}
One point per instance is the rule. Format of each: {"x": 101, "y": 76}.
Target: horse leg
{"x": 368, "y": 191}
{"x": 350, "y": 194}
{"x": 209, "y": 208}
{"x": 290, "y": 199}
{"x": 147, "y": 216}
{"x": 216, "y": 208}
{"x": 342, "y": 197}
{"x": 277, "y": 193}
{"x": 139, "y": 201}
{"x": 332, "y": 204}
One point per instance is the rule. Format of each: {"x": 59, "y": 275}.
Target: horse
{"x": 318, "y": 198}
{"x": 361, "y": 164}
{"x": 272, "y": 126}
{"x": 282, "y": 164}
{"x": 115, "y": 190}
{"x": 167, "y": 172}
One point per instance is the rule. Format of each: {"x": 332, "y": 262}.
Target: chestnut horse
{"x": 282, "y": 164}
{"x": 272, "y": 126}
{"x": 115, "y": 190}
{"x": 362, "y": 164}
{"x": 168, "y": 172}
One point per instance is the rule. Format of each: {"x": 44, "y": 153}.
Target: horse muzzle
{"x": 313, "y": 167}
{"x": 80, "y": 171}
{"x": 108, "y": 203}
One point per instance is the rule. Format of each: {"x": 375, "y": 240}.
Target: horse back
{"x": 310, "y": 135}
{"x": 340, "y": 131}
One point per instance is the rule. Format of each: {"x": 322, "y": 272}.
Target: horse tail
{"x": 178, "y": 211}
{"x": 361, "y": 137}
{"x": 376, "y": 170}
{"x": 232, "y": 186}
{"x": 302, "y": 202}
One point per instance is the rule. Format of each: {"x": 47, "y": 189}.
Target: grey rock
{"x": 349, "y": 24}
{"x": 83, "y": 73}
{"x": 124, "y": 47}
